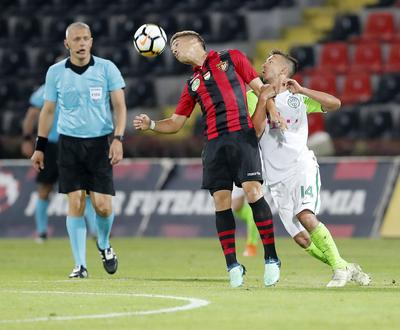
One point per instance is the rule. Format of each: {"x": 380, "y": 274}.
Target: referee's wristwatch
{"x": 119, "y": 137}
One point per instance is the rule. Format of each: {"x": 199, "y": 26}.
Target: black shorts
{"x": 233, "y": 157}
{"x": 84, "y": 165}
{"x": 49, "y": 175}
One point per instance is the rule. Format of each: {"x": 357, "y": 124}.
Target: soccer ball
{"x": 150, "y": 40}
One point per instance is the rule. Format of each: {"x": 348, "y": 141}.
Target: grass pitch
{"x": 35, "y": 292}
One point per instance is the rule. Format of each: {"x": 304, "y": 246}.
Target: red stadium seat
{"x": 316, "y": 123}
{"x": 379, "y": 26}
{"x": 334, "y": 57}
{"x": 324, "y": 82}
{"x": 393, "y": 62}
{"x": 357, "y": 88}
{"x": 368, "y": 57}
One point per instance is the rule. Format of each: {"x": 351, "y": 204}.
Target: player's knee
{"x": 103, "y": 208}
{"x": 253, "y": 191}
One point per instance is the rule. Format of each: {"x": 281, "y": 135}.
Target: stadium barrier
{"x": 162, "y": 197}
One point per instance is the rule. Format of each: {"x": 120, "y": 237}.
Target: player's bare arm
{"x": 256, "y": 84}
{"x": 118, "y": 102}
{"x": 259, "y": 117}
{"x": 45, "y": 122}
{"x": 169, "y": 125}
{"x": 28, "y": 124}
{"x": 327, "y": 101}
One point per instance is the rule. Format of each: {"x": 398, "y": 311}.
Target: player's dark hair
{"x": 292, "y": 62}
{"x": 185, "y": 34}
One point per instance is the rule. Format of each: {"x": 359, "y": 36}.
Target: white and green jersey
{"x": 282, "y": 152}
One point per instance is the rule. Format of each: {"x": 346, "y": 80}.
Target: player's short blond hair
{"x": 77, "y": 24}
{"x": 293, "y": 63}
{"x": 188, "y": 33}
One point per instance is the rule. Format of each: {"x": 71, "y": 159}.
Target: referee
{"x": 82, "y": 86}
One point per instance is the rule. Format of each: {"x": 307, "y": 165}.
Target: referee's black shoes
{"x": 109, "y": 258}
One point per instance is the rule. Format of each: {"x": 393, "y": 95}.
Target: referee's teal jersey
{"x": 83, "y": 99}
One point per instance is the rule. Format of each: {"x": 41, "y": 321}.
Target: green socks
{"x": 323, "y": 240}
{"x": 313, "y": 251}
{"x": 246, "y": 214}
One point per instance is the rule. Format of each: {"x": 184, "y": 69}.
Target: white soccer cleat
{"x": 340, "y": 278}
{"x": 236, "y": 276}
{"x": 357, "y": 274}
{"x": 272, "y": 271}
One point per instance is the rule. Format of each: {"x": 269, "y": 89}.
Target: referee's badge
{"x": 293, "y": 102}
{"x": 222, "y": 66}
{"x": 96, "y": 93}
{"x": 195, "y": 84}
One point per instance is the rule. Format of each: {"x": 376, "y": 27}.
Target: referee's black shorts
{"x": 49, "y": 175}
{"x": 84, "y": 165}
{"x": 233, "y": 157}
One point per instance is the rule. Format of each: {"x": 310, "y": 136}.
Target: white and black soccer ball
{"x": 150, "y": 40}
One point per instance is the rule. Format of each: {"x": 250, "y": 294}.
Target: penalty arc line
{"x": 193, "y": 303}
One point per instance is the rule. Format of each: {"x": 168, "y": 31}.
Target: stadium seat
{"x": 357, "y": 88}
{"x": 139, "y": 93}
{"x": 304, "y": 55}
{"x": 192, "y": 6}
{"x": 367, "y": 57}
{"x": 24, "y": 28}
{"x": 377, "y": 124}
{"x": 388, "y": 88}
{"x": 53, "y": 28}
{"x": 344, "y": 123}
{"x": 13, "y": 61}
{"x": 316, "y": 123}
{"x": 199, "y": 23}
{"x": 4, "y": 28}
{"x": 345, "y": 27}
{"x": 262, "y": 4}
{"x": 324, "y": 82}
{"x": 380, "y": 26}
{"x": 231, "y": 27}
{"x": 7, "y": 89}
{"x": 44, "y": 58}
{"x": 393, "y": 61}
{"x": 167, "y": 22}
{"x": 334, "y": 56}
{"x": 124, "y": 27}
{"x": 226, "y": 5}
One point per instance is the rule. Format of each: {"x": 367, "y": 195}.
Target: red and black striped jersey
{"x": 219, "y": 86}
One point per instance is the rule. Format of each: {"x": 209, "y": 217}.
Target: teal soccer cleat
{"x": 272, "y": 271}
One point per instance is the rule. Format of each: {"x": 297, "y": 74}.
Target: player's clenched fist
{"x": 141, "y": 122}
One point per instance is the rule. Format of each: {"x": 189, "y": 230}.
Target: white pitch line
{"x": 193, "y": 303}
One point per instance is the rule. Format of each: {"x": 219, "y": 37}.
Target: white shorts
{"x": 297, "y": 193}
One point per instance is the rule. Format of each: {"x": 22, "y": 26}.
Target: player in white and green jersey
{"x": 291, "y": 169}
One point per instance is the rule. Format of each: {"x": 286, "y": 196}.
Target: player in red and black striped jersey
{"x": 231, "y": 153}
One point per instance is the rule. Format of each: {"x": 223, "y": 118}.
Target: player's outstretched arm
{"x": 169, "y": 125}
{"x": 327, "y": 101}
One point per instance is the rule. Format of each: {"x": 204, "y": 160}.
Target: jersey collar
{"x": 79, "y": 69}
